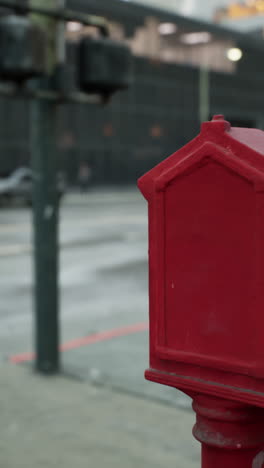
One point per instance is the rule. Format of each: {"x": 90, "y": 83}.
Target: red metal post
{"x": 231, "y": 434}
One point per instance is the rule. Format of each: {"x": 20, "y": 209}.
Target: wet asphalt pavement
{"x": 103, "y": 288}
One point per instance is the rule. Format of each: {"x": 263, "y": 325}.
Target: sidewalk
{"x": 60, "y": 422}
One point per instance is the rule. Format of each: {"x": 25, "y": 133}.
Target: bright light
{"x": 260, "y": 6}
{"x": 196, "y": 38}
{"x": 234, "y": 54}
{"x": 167, "y": 28}
{"x": 74, "y": 26}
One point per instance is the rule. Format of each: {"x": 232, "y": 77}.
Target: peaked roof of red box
{"x": 248, "y": 142}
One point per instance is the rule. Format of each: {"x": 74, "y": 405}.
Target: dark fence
{"x": 139, "y": 127}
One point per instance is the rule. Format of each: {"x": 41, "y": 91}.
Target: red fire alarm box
{"x": 206, "y": 264}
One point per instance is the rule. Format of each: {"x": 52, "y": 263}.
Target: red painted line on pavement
{"x": 25, "y": 357}
{"x": 87, "y": 340}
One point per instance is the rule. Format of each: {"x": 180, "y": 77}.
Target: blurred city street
{"x": 103, "y": 295}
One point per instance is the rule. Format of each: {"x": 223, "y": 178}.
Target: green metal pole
{"x": 45, "y": 208}
{"x": 45, "y": 218}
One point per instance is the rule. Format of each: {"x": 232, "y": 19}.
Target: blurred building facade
{"x": 244, "y": 15}
{"x": 182, "y": 74}
{"x": 201, "y": 9}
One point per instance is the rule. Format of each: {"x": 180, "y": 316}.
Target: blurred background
{"x": 190, "y": 60}
{"x": 185, "y": 70}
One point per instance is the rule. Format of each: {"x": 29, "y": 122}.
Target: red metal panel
{"x": 209, "y": 262}
{"x": 206, "y": 232}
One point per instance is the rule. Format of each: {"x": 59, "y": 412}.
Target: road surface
{"x": 103, "y": 288}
